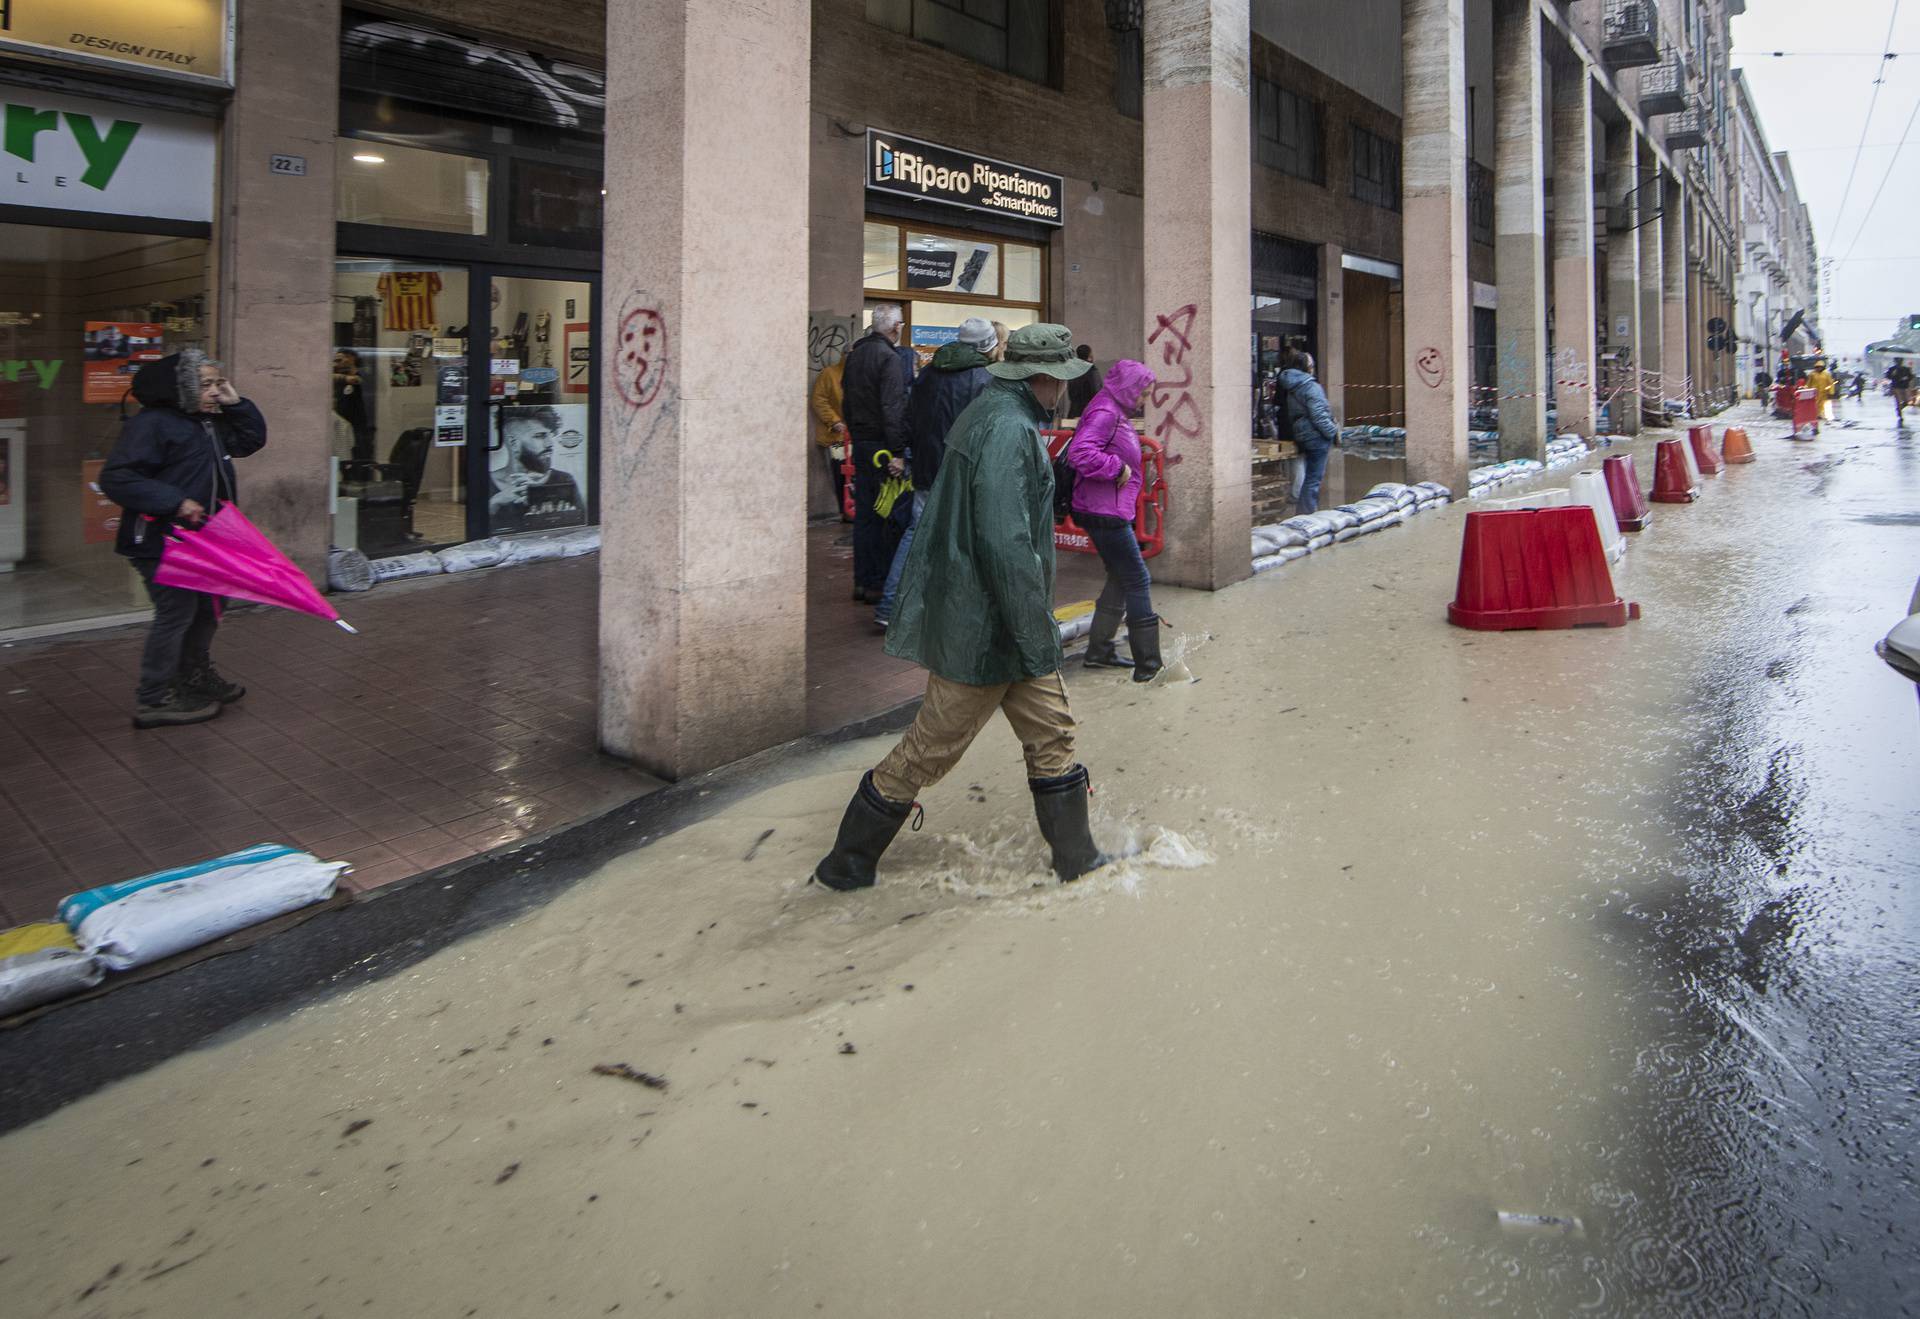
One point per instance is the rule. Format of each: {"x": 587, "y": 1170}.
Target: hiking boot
{"x": 205, "y": 680}
{"x": 1101, "y": 652}
{"x": 1060, "y": 804}
{"x": 1145, "y": 638}
{"x": 866, "y": 831}
{"x": 180, "y": 707}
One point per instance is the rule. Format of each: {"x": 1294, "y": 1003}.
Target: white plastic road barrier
{"x": 1590, "y": 488}
{"x": 145, "y": 919}
{"x": 1554, "y": 498}
{"x": 1693, "y": 464}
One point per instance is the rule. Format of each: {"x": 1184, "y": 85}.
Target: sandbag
{"x": 154, "y": 916}
{"x": 486, "y": 553}
{"x": 40, "y": 963}
{"x": 424, "y": 564}
{"x": 349, "y": 570}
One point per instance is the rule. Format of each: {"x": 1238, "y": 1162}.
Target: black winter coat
{"x": 874, "y": 395}
{"x": 952, "y": 380}
{"x": 165, "y": 456}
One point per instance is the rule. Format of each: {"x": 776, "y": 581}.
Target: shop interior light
{"x": 368, "y": 158}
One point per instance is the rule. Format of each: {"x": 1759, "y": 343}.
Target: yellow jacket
{"x": 1821, "y": 383}
{"x": 826, "y": 402}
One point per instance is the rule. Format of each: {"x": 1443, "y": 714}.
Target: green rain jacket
{"x": 976, "y": 596}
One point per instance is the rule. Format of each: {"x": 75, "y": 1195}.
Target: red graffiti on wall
{"x": 1172, "y": 394}
{"x": 641, "y": 362}
{"x": 1431, "y": 367}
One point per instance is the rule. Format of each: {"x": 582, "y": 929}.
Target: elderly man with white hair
{"x": 956, "y": 375}
{"x": 874, "y": 405}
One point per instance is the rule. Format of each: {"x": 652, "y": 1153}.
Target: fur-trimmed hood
{"x": 171, "y": 382}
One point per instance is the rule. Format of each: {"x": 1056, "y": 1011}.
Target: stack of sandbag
{"x": 1482, "y": 480}
{"x": 1431, "y": 494}
{"x": 473, "y": 554}
{"x": 424, "y": 564}
{"x": 1565, "y": 450}
{"x": 1373, "y": 514}
{"x": 143, "y": 920}
{"x": 40, "y": 963}
{"x": 566, "y": 543}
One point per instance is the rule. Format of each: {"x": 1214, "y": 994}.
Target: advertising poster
{"x": 539, "y": 468}
{"x": 449, "y": 426}
{"x": 451, "y": 385}
{"x": 99, "y": 516}
{"x": 112, "y": 351}
{"x": 579, "y": 358}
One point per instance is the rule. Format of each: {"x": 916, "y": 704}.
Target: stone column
{"x": 1333, "y": 329}
{"x": 1623, "y": 278}
{"x": 1520, "y": 230}
{"x": 1573, "y": 367}
{"x": 1673, "y": 248}
{"x": 274, "y": 239}
{"x": 703, "y": 567}
{"x": 1654, "y": 391}
{"x": 1433, "y": 172}
{"x": 1199, "y": 283}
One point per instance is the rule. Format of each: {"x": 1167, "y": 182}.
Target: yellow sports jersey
{"x": 408, "y": 298}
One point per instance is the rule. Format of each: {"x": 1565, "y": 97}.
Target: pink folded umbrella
{"x": 227, "y": 555}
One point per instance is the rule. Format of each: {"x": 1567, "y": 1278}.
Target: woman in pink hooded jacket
{"x": 1105, "y": 457}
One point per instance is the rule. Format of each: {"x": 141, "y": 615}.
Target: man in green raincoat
{"x": 976, "y": 610}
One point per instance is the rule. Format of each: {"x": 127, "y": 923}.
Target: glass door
{"x": 537, "y": 410}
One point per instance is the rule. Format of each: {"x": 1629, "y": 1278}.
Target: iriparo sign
{"x": 73, "y": 153}
{"x": 907, "y": 166}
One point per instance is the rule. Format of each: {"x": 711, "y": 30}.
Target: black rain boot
{"x": 204, "y": 680}
{"x": 1060, "y": 804}
{"x": 869, "y": 826}
{"x": 179, "y": 707}
{"x": 1101, "y": 652}
{"x": 1145, "y": 638}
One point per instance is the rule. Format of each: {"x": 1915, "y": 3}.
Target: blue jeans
{"x": 884, "y": 612}
{"x": 1128, "y": 582}
{"x": 1315, "y": 459}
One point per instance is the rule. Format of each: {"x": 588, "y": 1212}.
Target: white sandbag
{"x": 474, "y": 554}
{"x": 34, "y": 978}
{"x": 1341, "y": 518}
{"x": 143, "y": 920}
{"x": 1074, "y": 628}
{"x": 1433, "y": 488}
{"x": 349, "y": 570}
{"x": 1280, "y": 535}
{"x": 1346, "y": 533}
{"x": 1287, "y": 555}
{"x": 1319, "y": 543}
{"x": 424, "y": 564}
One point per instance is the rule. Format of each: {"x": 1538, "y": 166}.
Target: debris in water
{"x": 848, "y": 1047}
{"x": 358, "y": 1124}
{"x": 627, "y": 1073}
{"x": 1565, "y": 1226}
{"x": 756, "y": 845}
{"x": 506, "y": 1173}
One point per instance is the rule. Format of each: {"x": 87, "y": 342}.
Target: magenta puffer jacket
{"x": 1105, "y": 439}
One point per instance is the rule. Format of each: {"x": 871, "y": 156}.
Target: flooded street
{"x": 1530, "y": 974}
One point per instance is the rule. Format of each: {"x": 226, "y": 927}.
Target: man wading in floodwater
{"x": 976, "y": 610}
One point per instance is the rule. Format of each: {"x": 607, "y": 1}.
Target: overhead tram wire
{"x": 1905, "y": 133}
{"x": 1841, "y": 214}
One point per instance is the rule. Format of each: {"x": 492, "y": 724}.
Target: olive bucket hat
{"x": 1040, "y": 350}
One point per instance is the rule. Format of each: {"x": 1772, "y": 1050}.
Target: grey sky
{"x": 1813, "y": 105}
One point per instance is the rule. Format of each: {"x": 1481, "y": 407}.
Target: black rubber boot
{"x": 866, "y": 830}
{"x": 1061, "y": 804}
{"x": 1101, "y": 652}
{"x": 204, "y": 680}
{"x": 1145, "y": 638}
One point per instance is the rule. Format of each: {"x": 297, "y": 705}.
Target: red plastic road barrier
{"x": 1783, "y": 402}
{"x": 1149, "y": 513}
{"x": 1806, "y": 414}
{"x": 1705, "y": 452}
{"x": 1738, "y": 448}
{"x": 1630, "y": 507}
{"x": 1535, "y": 568}
{"x": 1672, "y": 483}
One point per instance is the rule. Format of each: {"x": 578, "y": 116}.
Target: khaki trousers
{"x": 953, "y": 715}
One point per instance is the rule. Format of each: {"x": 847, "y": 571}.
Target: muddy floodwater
{"x": 1530, "y": 974}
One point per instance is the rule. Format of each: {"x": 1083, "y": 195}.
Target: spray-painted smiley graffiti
{"x": 641, "y": 364}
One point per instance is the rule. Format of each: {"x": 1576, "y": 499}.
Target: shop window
{"x": 403, "y": 187}
{"x": 80, "y": 311}
{"x": 1014, "y": 36}
{"x": 553, "y": 205}
{"x": 943, "y": 263}
{"x": 1376, "y": 169}
{"x": 881, "y": 256}
{"x": 1287, "y": 132}
{"x": 1020, "y": 273}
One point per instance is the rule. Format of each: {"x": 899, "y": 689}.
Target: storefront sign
{"x": 930, "y": 270}
{"x": 74, "y": 153}
{"x": 907, "y": 167}
{"x": 113, "y": 351}
{"x": 188, "y": 39}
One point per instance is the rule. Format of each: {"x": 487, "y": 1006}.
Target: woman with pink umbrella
{"x": 173, "y": 465}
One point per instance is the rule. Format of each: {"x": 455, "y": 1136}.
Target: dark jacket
{"x": 874, "y": 395}
{"x": 1313, "y": 426}
{"x": 166, "y": 455}
{"x": 952, "y": 380}
{"x": 1080, "y": 391}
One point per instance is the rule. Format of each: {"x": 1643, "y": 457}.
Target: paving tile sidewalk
{"x": 461, "y": 719}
